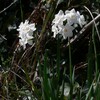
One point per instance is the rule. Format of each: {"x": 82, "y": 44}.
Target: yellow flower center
{"x": 65, "y": 30}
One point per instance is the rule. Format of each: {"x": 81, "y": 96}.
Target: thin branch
{"x": 8, "y": 7}
{"x": 38, "y": 7}
{"x": 3, "y": 37}
{"x": 84, "y": 30}
{"x": 93, "y": 21}
{"x": 3, "y": 97}
{"x": 17, "y": 75}
{"x": 96, "y": 19}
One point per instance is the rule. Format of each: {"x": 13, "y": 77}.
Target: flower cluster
{"x": 64, "y": 23}
{"x": 26, "y": 33}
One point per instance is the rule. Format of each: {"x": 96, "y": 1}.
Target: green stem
{"x": 70, "y": 60}
{"x": 35, "y": 55}
{"x": 21, "y": 10}
{"x": 70, "y": 69}
{"x": 95, "y": 52}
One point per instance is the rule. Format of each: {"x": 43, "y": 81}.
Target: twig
{"x": 23, "y": 55}
{"x": 8, "y": 6}
{"x": 38, "y": 7}
{"x": 3, "y": 97}
{"x": 90, "y": 23}
{"x": 3, "y": 37}
{"x": 17, "y": 75}
{"x": 84, "y": 30}
{"x": 93, "y": 21}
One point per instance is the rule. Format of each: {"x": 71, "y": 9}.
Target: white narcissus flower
{"x": 71, "y": 16}
{"x": 65, "y": 23}
{"x": 67, "y": 31}
{"x": 81, "y": 19}
{"x": 26, "y": 27}
{"x": 26, "y": 33}
{"x": 58, "y": 22}
{"x": 59, "y": 18}
{"x": 58, "y": 26}
{"x": 56, "y": 30}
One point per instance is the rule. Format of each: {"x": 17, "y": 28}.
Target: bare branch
{"x": 84, "y": 30}
{"x": 8, "y": 6}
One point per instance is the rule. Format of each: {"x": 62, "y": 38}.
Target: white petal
{"x": 25, "y": 33}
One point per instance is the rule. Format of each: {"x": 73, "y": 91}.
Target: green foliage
{"x": 52, "y": 68}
